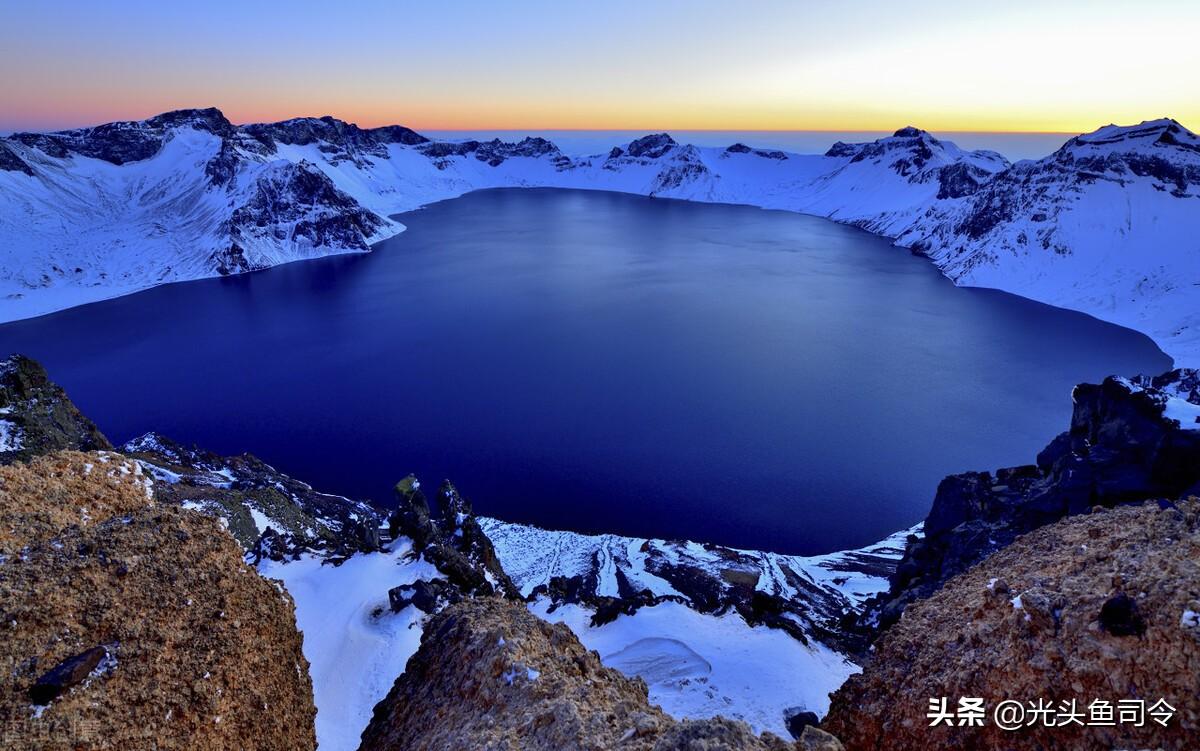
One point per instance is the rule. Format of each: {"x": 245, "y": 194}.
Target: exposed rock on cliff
{"x": 1128, "y": 441}
{"x": 807, "y": 597}
{"x": 455, "y": 545}
{"x": 134, "y": 625}
{"x": 36, "y": 417}
{"x": 271, "y": 514}
{"x": 1096, "y": 607}
{"x": 490, "y": 675}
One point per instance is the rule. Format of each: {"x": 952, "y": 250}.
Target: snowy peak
{"x": 1161, "y": 150}
{"x": 1148, "y": 133}
{"x": 126, "y": 141}
{"x": 337, "y": 140}
{"x": 673, "y": 169}
{"x": 650, "y": 147}
{"x": 915, "y": 154}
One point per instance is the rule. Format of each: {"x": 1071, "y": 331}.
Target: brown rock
{"x": 490, "y": 675}
{"x": 815, "y": 739}
{"x": 199, "y": 652}
{"x": 1060, "y": 634}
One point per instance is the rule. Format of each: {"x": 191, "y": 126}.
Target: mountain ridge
{"x": 1104, "y": 225}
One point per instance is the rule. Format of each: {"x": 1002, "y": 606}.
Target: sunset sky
{"x": 770, "y": 65}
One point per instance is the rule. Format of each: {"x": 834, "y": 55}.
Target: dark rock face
{"x": 340, "y": 140}
{"x": 455, "y": 544}
{"x": 1162, "y": 151}
{"x": 800, "y": 719}
{"x": 908, "y": 151}
{"x": 650, "y": 147}
{"x": 37, "y": 416}
{"x": 10, "y": 162}
{"x": 303, "y": 197}
{"x": 841, "y": 149}
{"x": 427, "y": 596}
{"x": 959, "y": 180}
{"x": 741, "y": 148}
{"x": 1120, "y": 449}
{"x": 682, "y": 169}
{"x": 66, "y": 675}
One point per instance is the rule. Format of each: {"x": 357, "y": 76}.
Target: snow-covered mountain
{"x": 1106, "y": 225}
{"x": 1109, "y": 224}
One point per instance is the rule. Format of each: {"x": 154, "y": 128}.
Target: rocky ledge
{"x": 1129, "y": 440}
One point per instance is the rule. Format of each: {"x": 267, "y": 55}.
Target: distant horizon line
{"x": 518, "y": 129}
{"x": 6, "y": 131}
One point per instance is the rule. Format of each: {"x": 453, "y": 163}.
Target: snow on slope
{"x": 356, "y": 648}
{"x": 533, "y": 557}
{"x": 696, "y": 664}
{"x": 86, "y": 216}
{"x": 691, "y": 641}
{"x": 1107, "y": 225}
{"x": 699, "y": 666}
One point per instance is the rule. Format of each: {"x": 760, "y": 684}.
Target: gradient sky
{"x": 1016, "y": 65}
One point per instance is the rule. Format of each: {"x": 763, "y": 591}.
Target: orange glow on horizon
{"x": 1025, "y": 66}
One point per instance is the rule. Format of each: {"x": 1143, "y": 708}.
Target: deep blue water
{"x": 602, "y": 362}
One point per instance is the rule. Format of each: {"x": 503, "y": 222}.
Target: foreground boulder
{"x": 133, "y": 625}
{"x": 490, "y": 675}
{"x": 1102, "y": 607}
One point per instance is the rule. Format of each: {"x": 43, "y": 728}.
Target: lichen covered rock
{"x": 1100, "y": 607}
{"x": 134, "y": 625}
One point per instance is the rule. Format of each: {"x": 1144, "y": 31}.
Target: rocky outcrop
{"x": 10, "y": 162}
{"x": 1128, "y": 441}
{"x": 917, "y": 155}
{"x": 1096, "y": 608}
{"x": 339, "y": 140}
{"x": 490, "y": 675}
{"x": 494, "y": 152}
{"x": 272, "y": 515}
{"x": 135, "y": 625}
{"x": 455, "y": 544}
{"x": 296, "y": 204}
{"x": 741, "y": 148}
{"x": 37, "y": 417}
